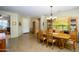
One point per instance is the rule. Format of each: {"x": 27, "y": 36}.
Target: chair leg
{"x": 74, "y": 46}
{"x": 47, "y": 44}
{"x": 43, "y": 42}
{"x": 62, "y": 43}
{"x": 52, "y": 45}
{"x": 59, "y": 43}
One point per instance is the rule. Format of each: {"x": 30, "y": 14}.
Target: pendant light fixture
{"x": 51, "y": 14}
{"x": 51, "y": 17}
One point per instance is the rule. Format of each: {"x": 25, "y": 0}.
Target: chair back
{"x": 49, "y": 34}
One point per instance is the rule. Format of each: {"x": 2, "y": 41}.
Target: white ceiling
{"x": 35, "y": 10}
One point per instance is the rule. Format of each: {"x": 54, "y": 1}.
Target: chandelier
{"x": 51, "y": 17}
{"x": 51, "y": 14}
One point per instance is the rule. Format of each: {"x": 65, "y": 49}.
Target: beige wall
{"x": 14, "y": 27}
{"x": 43, "y": 20}
{"x": 20, "y": 25}
{"x": 34, "y": 19}
{"x": 26, "y": 24}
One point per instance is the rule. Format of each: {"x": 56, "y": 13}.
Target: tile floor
{"x": 29, "y": 43}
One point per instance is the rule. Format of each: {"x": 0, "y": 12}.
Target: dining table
{"x": 61, "y": 37}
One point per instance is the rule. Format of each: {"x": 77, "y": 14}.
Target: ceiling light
{"x": 51, "y": 17}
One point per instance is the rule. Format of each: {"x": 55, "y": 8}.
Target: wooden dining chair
{"x": 50, "y": 37}
{"x": 71, "y": 44}
{"x": 43, "y": 36}
{"x": 59, "y": 41}
{"x": 39, "y": 35}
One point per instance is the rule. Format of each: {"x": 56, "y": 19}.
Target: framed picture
{"x": 14, "y": 22}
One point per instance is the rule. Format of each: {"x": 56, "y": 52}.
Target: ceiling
{"x": 35, "y": 10}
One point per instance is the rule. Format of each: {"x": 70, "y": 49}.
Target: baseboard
{"x": 26, "y": 33}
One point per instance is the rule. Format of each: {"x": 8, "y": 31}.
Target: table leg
{"x": 62, "y": 43}
{"x": 74, "y": 45}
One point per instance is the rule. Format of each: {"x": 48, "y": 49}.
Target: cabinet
{"x": 2, "y": 45}
{"x": 73, "y": 28}
{"x": 2, "y": 42}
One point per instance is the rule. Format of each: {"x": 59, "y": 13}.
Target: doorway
{"x": 5, "y": 25}
{"x": 34, "y": 27}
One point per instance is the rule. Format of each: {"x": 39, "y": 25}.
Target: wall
{"x": 14, "y": 18}
{"x": 14, "y": 27}
{"x": 26, "y": 24}
{"x": 43, "y": 22}
{"x": 37, "y": 24}
{"x": 20, "y": 25}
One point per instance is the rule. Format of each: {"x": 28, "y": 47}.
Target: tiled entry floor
{"x": 28, "y": 43}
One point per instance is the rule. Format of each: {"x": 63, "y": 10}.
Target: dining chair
{"x": 50, "y": 38}
{"x": 39, "y": 36}
{"x": 43, "y": 36}
{"x": 71, "y": 44}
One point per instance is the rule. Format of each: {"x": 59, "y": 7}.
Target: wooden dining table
{"x": 60, "y": 36}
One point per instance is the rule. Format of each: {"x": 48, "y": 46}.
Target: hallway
{"x": 28, "y": 43}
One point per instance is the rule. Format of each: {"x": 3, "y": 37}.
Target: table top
{"x": 61, "y": 35}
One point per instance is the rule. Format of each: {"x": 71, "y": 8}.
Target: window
{"x": 3, "y": 24}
